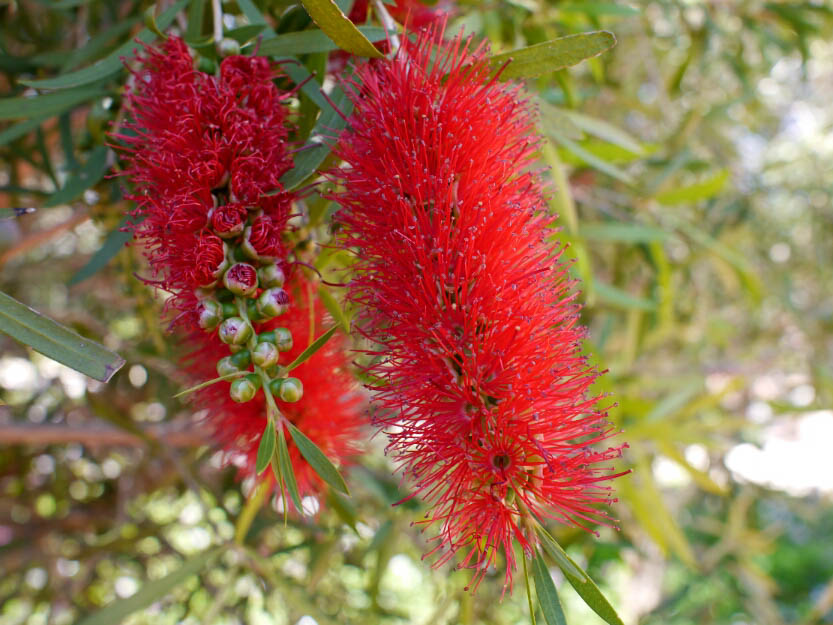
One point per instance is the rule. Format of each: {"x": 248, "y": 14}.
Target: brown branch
{"x": 39, "y": 238}
{"x": 97, "y": 436}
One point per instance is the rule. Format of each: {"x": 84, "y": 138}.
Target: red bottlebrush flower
{"x": 263, "y": 239}
{"x": 417, "y": 14}
{"x": 189, "y": 136}
{"x": 483, "y": 389}
{"x": 329, "y": 413}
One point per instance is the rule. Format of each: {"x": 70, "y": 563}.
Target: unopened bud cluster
{"x": 245, "y": 290}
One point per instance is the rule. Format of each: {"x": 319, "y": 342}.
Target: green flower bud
{"x": 229, "y": 310}
{"x": 255, "y": 379}
{"x": 273, "y": 302}
{"x": 283, "y": 339}
{"x": 242, "y": 390}
{"x": 241, "y": 279}
{"x": 226, "y": 366}
{"x": 210, "y": 314}
{"x": 265, "y": 354}
{"x": 242, "y": 359}
{"x": 252, "y": 311}
{"x": 287, "y": 389}
{"x": 235, "y": 331}
{"x": 228, "y": 47}
{"x": 271, "y": 275}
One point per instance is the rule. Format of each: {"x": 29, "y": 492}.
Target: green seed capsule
{"x": 291, "y": 389}
{"x": 242, "y": 390}
{"x": 283, "y": 339}
{"x": 235, "y": 331}
{"x": 226, "y": 366}
{"x": 252, "y": 311}
{"x": 265, "y": 354}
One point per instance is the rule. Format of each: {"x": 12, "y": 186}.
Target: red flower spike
{"x": 188, "y": 134}
{"x": 485, "y": 395}
{"x": 329, "y": 413}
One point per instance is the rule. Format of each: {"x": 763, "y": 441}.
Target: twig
{"x": 390, "y": 26}
{"x": 218, "y": 21}
{"x": 100, "y": 436}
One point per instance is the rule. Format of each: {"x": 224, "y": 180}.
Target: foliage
{"x": 694, "y": 194}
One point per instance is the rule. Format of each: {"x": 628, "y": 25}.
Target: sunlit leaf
{"x": 615, "y": 296}
{"x": 56, "y": 341}
{"x": 696, "y": 192}
{"x": 341, "y": 30}
{"x": 622, "y": 232}
{"x": 309, "y": 41}
{"x": 543, "y": 58}
{"x": 335, "y": 309}
{"x": 314, "y": 347}
{"x": 547, "y": 594}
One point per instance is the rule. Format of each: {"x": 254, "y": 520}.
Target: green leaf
{"x": 266, "y": 448}
{"x": 560, "y": 556}
{"x": 111, "y": 64}
{"x": 152, "y": 591}
{"x": 604, "y": 130}
{"x": 621, "y": 232}
{"x": 615, "y": 296}
{"x": 88, "y": 176}
{"x": 589, "y": 158}
{"x": 41, "y": 106}
{"x": 341, "y": 30}
{"x": 15, "y": 131}
{"x": 316, "y": 150}
{"x": 285, "y": 464}
{"x": 244, "y": 34}
{"x": 584, "y": 586}
{"x": 112, "y": 245}
{"x": 310, "y": 41}
{"x": 547, "y": 594}
{"x": 309, "y": 351}
{"x": 695, "y": 192}
{"x": 56, "y": 341}
{"x": 597, "y": 9}
{"x": 333, "y": 306}
{"x": 549, "y": 56}
{"x": 318, "y": 460}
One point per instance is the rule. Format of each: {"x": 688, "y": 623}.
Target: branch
{"x": 96, "y": 436}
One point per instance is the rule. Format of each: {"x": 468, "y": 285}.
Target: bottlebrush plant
{"x": 384, "y": 224}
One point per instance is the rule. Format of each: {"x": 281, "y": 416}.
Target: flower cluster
{"x": 205, "y": 155}
{"x": 483, "y": 389}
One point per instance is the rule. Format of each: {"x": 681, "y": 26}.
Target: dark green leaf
{"x": 20, "y": 129}
{"x": 318, "y": 460}
{"x": 266, "y": 448}
{"x": 314, "y": 347}
{"x": 341, "y": 30}
{"x": 152, "y": 591}
{"x": 244, "y": 34}
{"x": 56, "y": 341}
{"x": 89, "y": 175}
{"x": 549, "y": 56}
{"x": 96, "y": 45}
{"x": 41, "y": 106}
{"x": 547, "y": 594}
{"x": 288, "y": 474}
{"x": 309, "y": 41}
{"x": 111, "y": 64}
{"x": 112, "y": 245}
{"x": 584, "y": 586}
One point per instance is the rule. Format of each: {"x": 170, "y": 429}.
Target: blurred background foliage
{"x": 692, "y": 169}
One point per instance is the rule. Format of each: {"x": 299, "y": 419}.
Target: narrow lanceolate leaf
{"x": 311, "y": 41}
{"x": 619, "y": 298}
{"x": 285, "y": 464}
{"x": 111, "y": 64}
{"x": 581, "y": 581}
{"x": 88, "y": 176}
{"x": 153, "y": 591}
{"x": 41, "y": 106}
{"x": 266, "y": 448}
{"x": 334, "y": 307}
{"x": 314, "y": 347}
{"x": 15, "y": 131}
{"x": 696, "y": 192}
{"x": 549, "y": 56}
{"x": 341, "y": 30}
{"x": 56, "y": 341}
{"x": 621, "y": 232}
{"x": 318, "y": 461}
{"x": 547, "y": 594}
{"x": 112, "y": 245}
{"x": 317, "y": 148}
